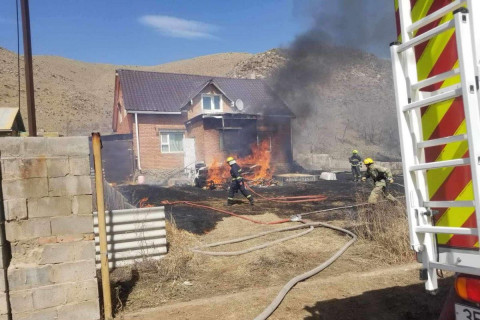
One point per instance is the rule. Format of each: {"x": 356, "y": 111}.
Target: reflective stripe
{"x": 249, "y": 196}
{"x": 230, "y": 198}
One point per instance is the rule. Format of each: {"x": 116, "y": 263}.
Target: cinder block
{"x": 11, "y": 146}
{"x": 84, "y": 250}
{"x": 46, "y": 314}
{"x": 21, "y": 301}
{"x": 74, "y": 271}
{"x": 49, "y": 296}
{"x": 89, "y": 310}
{"x": 69, "y": 186}
{"x": 82, "y": 291}
{"x": 27, "y": 229}
{"x": 3, "y": 304}
{"x": 15, "y": 209}
{"x": 68, "y": 146}
{"x": 29, "y": 277}
{"x": 3, "y": 281}
{"x": 49, "y": 207}
{"x": 72, "y": 224}
{"x": 57, "y": 167}
{"x": 82, "y": 204}
{"x": 26, "y": 188}
{"x": 21, "y": 168}
{"x": 57, "y": 253}
{"x": 35, "y": 146}
{"x": 79, "y": 166}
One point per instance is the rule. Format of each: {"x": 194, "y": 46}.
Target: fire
{"x": 143, "y": 203}
{"x": 256, "y": 167}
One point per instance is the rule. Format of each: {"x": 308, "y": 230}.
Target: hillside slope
{"x": 75, "y": 98}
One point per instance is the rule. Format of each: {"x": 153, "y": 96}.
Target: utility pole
{"x": 27, "y": 57}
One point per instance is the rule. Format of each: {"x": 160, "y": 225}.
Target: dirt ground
{"x": 367, "y": 282}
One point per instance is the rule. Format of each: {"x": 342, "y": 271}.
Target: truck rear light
{"x": 468, "y": 287}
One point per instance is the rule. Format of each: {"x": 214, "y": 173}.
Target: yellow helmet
{"x": 355, "y": 151}
{"x": 230, "y": 159}
{"x": 368, "y": 161}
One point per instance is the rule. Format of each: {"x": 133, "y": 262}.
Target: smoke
{"x": 336, "y": 79}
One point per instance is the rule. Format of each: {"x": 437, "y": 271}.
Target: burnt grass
{"x": 341, "y": 192}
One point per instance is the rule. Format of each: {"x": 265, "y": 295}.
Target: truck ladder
{"x": 409, "y": 100}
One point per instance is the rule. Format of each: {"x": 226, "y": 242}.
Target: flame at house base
{"x": 256, "y": 167}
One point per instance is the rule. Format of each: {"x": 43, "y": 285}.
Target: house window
{"x": 211, "y": 102}
{"x": 171, "y": 142}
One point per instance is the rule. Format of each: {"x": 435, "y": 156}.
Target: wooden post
{"x": 27, "y": 57}
{"x": 102, "y": 232}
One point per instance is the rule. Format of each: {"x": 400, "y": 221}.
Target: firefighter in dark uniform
{"x": 237, "y": 182}
{"x": 355, "y": 162}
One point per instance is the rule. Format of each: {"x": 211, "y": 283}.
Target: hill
{"x": 75, "y": 98}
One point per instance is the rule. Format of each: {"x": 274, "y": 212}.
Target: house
{"x": 11, "y": 123}
{"x": 179, "y": 119}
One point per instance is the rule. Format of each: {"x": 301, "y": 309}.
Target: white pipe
{"x": 138, "y": 142}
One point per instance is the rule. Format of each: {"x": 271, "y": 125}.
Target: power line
{"x": 18, "y": 57}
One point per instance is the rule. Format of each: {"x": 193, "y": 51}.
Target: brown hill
{"x": 75, "y": 98}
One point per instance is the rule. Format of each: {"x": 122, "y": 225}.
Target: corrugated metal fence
{"x": 133, "y": 235}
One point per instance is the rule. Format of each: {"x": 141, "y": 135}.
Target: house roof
{"x": 7, "y": 117}
{"x": 170, "y": 92}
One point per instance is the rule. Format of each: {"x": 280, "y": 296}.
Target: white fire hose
{"x": 290, "y": 284}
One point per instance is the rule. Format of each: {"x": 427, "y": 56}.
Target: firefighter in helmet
{"x": 237, "y": 182}
{"x": 380, "y": 176}
{"x": 356, "y": 162}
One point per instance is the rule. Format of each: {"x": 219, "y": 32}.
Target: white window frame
{"x": 211, "y": 95}
{"x": 163, "y": 143}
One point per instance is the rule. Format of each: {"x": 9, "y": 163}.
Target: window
{"x": 171, "y": 142}
{"x": 211, "y": 102}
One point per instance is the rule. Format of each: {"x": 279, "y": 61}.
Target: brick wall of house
{"x": 149, "y": 127}
{"x": 126, "y": 124}
{"x": 196, "y": 108}
{"x": 207, "y": 143}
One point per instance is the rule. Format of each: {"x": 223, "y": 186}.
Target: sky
{"x": 150, "y": 32}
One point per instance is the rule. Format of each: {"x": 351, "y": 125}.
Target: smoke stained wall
{"x": 337, "y": 83}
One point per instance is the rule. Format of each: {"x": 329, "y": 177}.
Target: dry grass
{"x": 385, "y": 225}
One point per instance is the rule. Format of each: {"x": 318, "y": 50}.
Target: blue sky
{"x": 149, "y": 32}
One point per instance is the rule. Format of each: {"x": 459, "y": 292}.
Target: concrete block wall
{"x": 47, "y": 198}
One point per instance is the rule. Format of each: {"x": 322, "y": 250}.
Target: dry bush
{"x": 156, "y": 281}
{"x": 386, "y": 225}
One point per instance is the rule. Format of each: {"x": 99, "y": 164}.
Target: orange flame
{"x": 256, "y": 166}
{"x": 143, "y": 203}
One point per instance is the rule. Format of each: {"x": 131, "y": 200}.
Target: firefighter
{"x": 355, "y": 162}
{"x": 379, "y": 175}
{"x": 237, "y": 182}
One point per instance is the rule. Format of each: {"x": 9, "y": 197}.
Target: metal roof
{"x": 169, "y": 92}
{"x": 7, "y": 117}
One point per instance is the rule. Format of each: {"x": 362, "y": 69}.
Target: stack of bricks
{"x": 47, "y": 197}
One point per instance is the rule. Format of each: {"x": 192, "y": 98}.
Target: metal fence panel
{"x": 133, "y": 235}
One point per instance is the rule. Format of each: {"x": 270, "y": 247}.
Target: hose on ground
{"x": 290, "y": 284}
{"x": 262, "y": 246}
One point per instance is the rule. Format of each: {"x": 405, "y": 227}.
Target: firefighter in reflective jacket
{"x": 237, "y": 182}
{"x": 355, "y": 162}
{"x": 379, "y": 175}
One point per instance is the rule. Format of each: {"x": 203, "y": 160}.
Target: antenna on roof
{"x": 239, "y": 104}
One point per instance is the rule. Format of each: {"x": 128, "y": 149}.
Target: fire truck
{"x": 436, "y": 69}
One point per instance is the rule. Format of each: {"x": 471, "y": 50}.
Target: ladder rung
{"x": 435, "y": 79}
{"x": 434, "y": 99}
{"x": 426, "y": 36}
{"x": 447, "y": 230}
{"x": 454, "y": 268}
{"x": 436, "y": 15}
{"x": 440, "y": 164}
{"x": 448, "y": 204}
{"x": 441, "y": 141}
